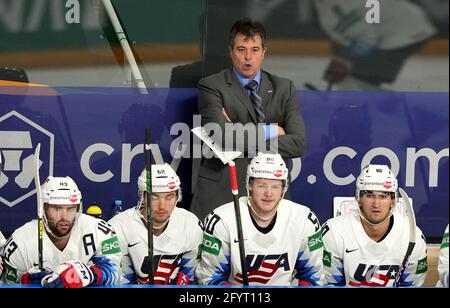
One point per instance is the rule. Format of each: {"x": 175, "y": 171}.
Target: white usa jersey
{"x": 402, "y": 23}
{"x": 92, "y": 241}
{"x": 176, "y": 249}
{"x": 352, "y": 258}
{"x": 2, "y": 242}
{"x": 290, "y": 254}
{"x": 443, "y": 262}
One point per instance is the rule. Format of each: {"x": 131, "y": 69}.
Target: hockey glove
{"x": 71, "y": 274}
{"x": 337, "y": 70}
{"x": 33, "y": 276}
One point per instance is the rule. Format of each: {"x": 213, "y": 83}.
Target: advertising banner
{"x": 96, "y": 136}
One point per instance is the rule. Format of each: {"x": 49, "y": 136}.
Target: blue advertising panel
{"x": 96, "y": 136}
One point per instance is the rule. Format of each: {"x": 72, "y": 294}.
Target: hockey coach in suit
{"x": 247, "y": 95}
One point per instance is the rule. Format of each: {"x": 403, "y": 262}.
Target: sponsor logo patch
{"x": 110, "y": 246}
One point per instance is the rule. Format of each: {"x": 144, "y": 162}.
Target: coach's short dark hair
{"x": 248, "y": 28}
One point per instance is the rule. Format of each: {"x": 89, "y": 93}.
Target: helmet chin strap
{"x": 140, "y": 202}
{"x": 271, "y": 216}
{"x": 260, "y": 217}
{"x": 138, "y": 208}
{"x": 375, "y": 225}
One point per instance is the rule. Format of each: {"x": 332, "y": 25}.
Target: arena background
{"x": 90, "y": 99}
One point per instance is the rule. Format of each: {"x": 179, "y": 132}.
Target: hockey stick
{"x": 40, "y": 207}
{"x": 148, "y": 168}
{"x": 125, "y": 45}
{"x": 235, "y": 192}
{"x": 412, "y": 236}
{"x": 227, "y": 157}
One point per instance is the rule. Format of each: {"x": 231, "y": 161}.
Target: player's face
{"x": 265, "y": 195}
{"x": 163, "y": 204}
{"x": 61, "y": 218}
{"x": 376, "y": 205}
{"x": 247, "y": 54}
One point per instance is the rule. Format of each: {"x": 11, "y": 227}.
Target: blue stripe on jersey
{"x": 403, "y": 282}
{"x": 340, "y": 279}
{"x": 222, "y": 274}
{"x": 184, "y": 261}
{"x": 305, "y": 273}
{"x": 301, "y": 264}
{"x": 130, "y": 277}
{"x": 187, "y": 270}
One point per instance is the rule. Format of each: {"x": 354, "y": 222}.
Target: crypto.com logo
{"x": 17, "y": 151}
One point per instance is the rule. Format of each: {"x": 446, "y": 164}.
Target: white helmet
{"x": 164, "y": 179}
{"x": 376, "y": 178}
{"x": 60, "y": 190}
{"x": 267, "y": 166}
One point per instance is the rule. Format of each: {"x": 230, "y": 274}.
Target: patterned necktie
{"x": 256, "y": 100}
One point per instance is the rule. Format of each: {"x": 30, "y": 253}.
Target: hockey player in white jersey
{"x": 177, "y": 233}
{"x": 443, "y": 262}
{"x": 368, "y": 54}
{"x": 366, "y": 248}
{"x": 78, "y": 250}
{"x": 282, "y": 239}
{"x": 2, "y": 243}
{"x": 1, "y": 269}
{"x": 2, "y": 238}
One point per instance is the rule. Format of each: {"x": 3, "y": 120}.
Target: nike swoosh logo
{"x": 131, "y": 245}
{"x": 347, "y": 250}
{"x": 37, "y": 264}
{"x": 237, "y": 241}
